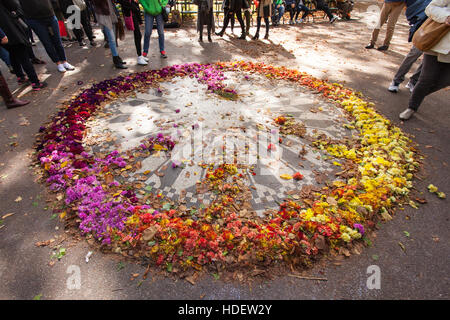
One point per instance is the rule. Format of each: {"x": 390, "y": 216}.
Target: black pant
{"x": 20, "y": 61}
{"x": 229, "y": 15}
{"x": 434, "y": 76}
{"x": 84, "y": 19}
{"x": 324, "y": 7}
{"x": 301, "y": 8}
{"x": 258, "y": 24}
{"x": 137, "y": 35}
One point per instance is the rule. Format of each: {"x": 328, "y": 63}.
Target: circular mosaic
{"x": 228, "y": 163}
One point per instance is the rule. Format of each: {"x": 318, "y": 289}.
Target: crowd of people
{"x": 49, "y": 21}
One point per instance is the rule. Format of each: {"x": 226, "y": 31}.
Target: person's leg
{"x": 415, "y": 77}
{"x": 266, "y": 22}
{"x": 160, "y": 28}
{"x": 16, "y": 65}
{"x": 406, "y": 64}
{"x": 384, "y": 14}
{"x": 258, "y": 26}
{"x": 248, "y": 19}
{"x": 7, "y": 96}
{"x": 435, "y": 75}
{"x": 111, "y": 40}
{"x": 305, "y": 11}
{"x": 4, "y": 55}
{"x": 280, "y": 13}
{"x": 55, "y": 37}
{"x": 232, "y": 21}
{"x": 291, "y": 13}
{"x": 137, "y": 35}
{"x": 19, "y": 53}
{"x": 148, "y": 32}
{"x": 241, "y": 22}
{"x": 87, "y": 25}
{"x": 41, "y": 30}
{"x": 325, "y": 9}
{"x": 200, "y": 37}
{"x": 392, "y": 20}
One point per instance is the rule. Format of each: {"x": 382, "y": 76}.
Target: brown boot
{"x": 10, "y": 101}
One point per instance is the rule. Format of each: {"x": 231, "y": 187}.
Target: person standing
{"x": 10, "y": 101}
{"x": 415, "y": 14}
{"x": 264, "y": 10}
{"x": 205, "y": 16}
{"x": 41, "y": 18}
{"x": 84, "y": 20}
{"x": 389, "y": 12}
{"x": 106, "y": 17}
{"x": 17, "y": 43}
{"x": 132, "y": 12}
{"x": 232, "y": 7}
{"x": 435, "y": 74}
{"x": 153, "y": 11}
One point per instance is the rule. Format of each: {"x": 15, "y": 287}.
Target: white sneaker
{"x": 141, "y": 61}
{"x": 333, "y": 19}
{"x": 393, "y": 87}
{"x": 61, "y": 68}
{"x": 68, "y": 66}
{"x": 410, "y": 86}
{"x": 145, "y": 58}
{"x": 405, "y": 115}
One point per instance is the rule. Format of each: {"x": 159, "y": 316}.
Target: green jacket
{"x": 152, "y": 7}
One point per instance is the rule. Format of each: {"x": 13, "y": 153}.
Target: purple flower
{"x": 360, "y": 228}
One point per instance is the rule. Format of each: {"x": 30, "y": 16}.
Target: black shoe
{"x": 121, "y": 61}
{"x": 256, "y": 37}
{"x": 118, "y": 63}
{"x": 200, "y": 39}
{"x": 383, "y": 48}
{"x": 92, "y": 43}
{"x": 242, "y": 37}
{"x": 220, "y": 34}
{"x": 370, "y": 46}
{"x": 37, "y": 61}
{"x": 81, "y": 43}
{"x": 210, "y": 39}
{"x": 266, "y": 36}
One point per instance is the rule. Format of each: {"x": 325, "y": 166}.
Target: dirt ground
{"x": 334, "y": 52}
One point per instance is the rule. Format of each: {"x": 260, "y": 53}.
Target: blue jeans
{"x": 4, "y": 55}
{"x": 149, "y": 28}
{"x": 47, "y": 31}
{"x": 280, "y": 9}
{"x": 111, "y": 38}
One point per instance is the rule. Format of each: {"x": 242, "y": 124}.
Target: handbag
{"x": 164, "y": 14}
{"x": 429, "y": 34}
{"x": 129, "y": 24}
{"x": 80, "y": 4}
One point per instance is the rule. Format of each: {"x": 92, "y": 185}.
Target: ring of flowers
{"x": 382, "y": 162}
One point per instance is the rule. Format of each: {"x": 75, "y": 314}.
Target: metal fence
{"x": 188, "y": 9}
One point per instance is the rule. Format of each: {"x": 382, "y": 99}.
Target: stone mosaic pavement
{"x": 201, "y": 122}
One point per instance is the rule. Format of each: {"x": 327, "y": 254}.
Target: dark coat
{"x": 205, "y": 14}
{"x": 130, "y": 7}
{"x": 101, "y": 7}
{"x": 415, "y": 13}
{"x": 11, "y": 26}
{"x": 37, "y": 9}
